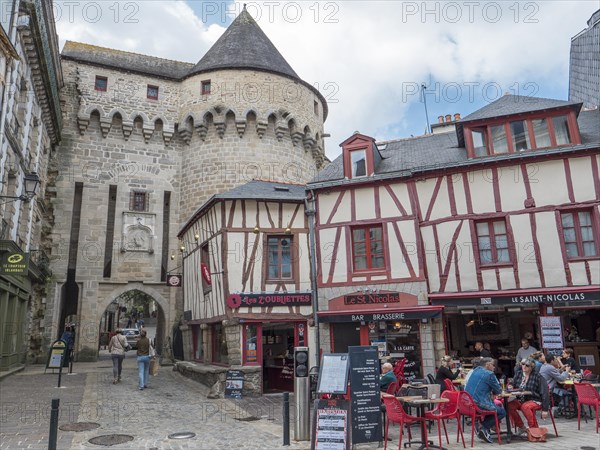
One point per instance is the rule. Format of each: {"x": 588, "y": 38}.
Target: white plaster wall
{"x": 528, "y": 272}
{"x": 549, "y": 240}
{"x": 581, "y": 175}
{"x": 365, "y": 203}
{"x": 430, "y": 258}
{"x": 389, "y": 208}
{"x": 507, "y": 278}
{"x": 327, "y": 244}
{"x": 489, "y": 279}
{"x": 459, "y": 193}
{"x": 549, "y": 173}
{"x": 512, "y": 189}
{"x": 482, "y": 191}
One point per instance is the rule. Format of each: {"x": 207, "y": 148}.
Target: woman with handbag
{"x": 143, "y": 359}
{"x": 117, "y": 347}
{"x": 528, "y": 380}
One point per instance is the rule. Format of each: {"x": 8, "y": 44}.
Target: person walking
{"x": 117, "y": 348}
{"x": 143, "y": 359}
{"x": 69, "y": 338}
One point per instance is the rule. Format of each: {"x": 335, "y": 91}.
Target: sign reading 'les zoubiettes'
{"x": 234, "y": 301}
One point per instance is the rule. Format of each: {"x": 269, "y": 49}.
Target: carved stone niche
{"x": 138, "y": 232}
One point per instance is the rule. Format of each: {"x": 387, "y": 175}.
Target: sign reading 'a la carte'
{"x": 369, "y": 299}
{"x": 235, "y": 301}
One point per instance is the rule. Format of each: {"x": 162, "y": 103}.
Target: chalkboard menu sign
{"x": 365, "y": 394}
{"x": 552, "y": 337}
{"x": 330, "y": 429}
{"x": 333, "y": 374}
{"x": 234, "y": 383}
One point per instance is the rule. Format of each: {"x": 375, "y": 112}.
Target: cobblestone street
{"x": 172, "y": 404}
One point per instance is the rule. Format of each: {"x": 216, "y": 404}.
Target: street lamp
{"x": 32, "y": 182}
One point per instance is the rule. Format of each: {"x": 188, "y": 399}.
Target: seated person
{"x": 445, "y": 373}
{"x": 553, "y": 375}
{"x": 525, "y": 351}
{"x": 528, "y": 380}
{"x": 387, "y": 377}
{"x": 482, "y": 351}
{"x": 481, "y": 385}
{"x": 569, "y": 360}
{"x": 539, "y": 359}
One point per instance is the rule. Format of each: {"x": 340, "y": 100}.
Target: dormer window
{"x": 514, "y": 136}
{"x": 358, "y": 159}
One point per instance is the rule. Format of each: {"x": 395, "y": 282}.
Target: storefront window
{"x": 399, "y": 340}
{"x": 219, "y": 340}
{"x": 251, "y": 344}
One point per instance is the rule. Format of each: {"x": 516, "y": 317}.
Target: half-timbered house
{"x": 247, "y": 293}
{"x": 496, "y": 222}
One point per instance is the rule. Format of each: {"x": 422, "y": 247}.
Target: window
{"x": 367, "y": 248}
{"x": 279, "y": 257}
{"x": 561, "y": 130}
{"x": 205, "y": 89}
{"x": 540, "y": 133}
{"x": 251, "y": 343}
{"x": 520, "y": 135}
{"x": 358, "y": 160}
{"x": 316, "y": 108}
{"x": 152, "y": 92}
{"x": 499, "y": 142}
{"x": 480, "y": 142}
{"x": 219, "y": 344}
{"x": 578, "y": 234}
{"x": 492, "y": 241}
{"x": 101, "y": 83}
{"x": 138, "y": 201}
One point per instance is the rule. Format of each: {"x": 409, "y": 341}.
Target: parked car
{"x": 132, "y": 335}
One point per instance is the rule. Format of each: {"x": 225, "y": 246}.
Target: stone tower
{"x": 146, "y": 141}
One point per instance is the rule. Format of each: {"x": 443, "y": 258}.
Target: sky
{"x": 369, "y": 59}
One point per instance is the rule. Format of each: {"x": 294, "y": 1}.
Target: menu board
{"x": 234, "y": 383}
{"x": 365, "y": 394}
{"x": 333, "y": 374}
{"x": 551, "y": 332}
{"x": 330, "y": 425}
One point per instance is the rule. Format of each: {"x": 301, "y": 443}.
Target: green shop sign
{"x": 14, "y": 263}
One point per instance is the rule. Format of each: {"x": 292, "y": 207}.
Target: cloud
{"x": 367, "y": 57}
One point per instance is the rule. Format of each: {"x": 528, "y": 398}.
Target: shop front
{"x": 379, "y": 319}
{"x": 552, "y": 319}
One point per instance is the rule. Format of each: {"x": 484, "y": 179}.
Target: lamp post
{"x": 32, "y": 182}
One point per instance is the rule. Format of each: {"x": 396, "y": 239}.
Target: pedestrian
{"x": 69, "y": 339}
{"x": 143, "y": 359}
{"x": 117, "y": 347}
{"x": 128, "y": 323}
{"x": 482, "y": 385}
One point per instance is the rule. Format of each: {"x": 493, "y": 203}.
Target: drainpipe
{"x": 310, "y": 213}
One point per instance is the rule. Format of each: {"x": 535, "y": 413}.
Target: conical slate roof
{"x": 244, "y": 46}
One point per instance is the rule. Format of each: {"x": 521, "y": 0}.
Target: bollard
{"x": 286, "y": 418}
{"x": 60, "y": 371}
{"x": 53, "y": 424}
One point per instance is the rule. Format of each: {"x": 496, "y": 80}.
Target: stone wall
{"x": 214, "y": 377}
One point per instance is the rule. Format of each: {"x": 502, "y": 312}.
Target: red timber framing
{"x": 358, "y": 142}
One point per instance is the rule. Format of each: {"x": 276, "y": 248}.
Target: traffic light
{"x": 301, "y": 362}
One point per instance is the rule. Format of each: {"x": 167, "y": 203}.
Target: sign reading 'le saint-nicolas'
{"x": 235, "y": 301}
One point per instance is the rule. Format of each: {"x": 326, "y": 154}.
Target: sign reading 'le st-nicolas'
{"x": 234, "y": 301}
{"x": 369, "y": 299}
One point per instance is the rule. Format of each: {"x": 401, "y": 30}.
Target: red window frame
{"x": 99, "y": 87}
{"x": 367, "y": 254}
{"x": 150, "y": 96}
{"x": 578, "y": 235}
{"x": 493, "y": 247}
{"x": 205, "y": 87}
{"x": 279, "y": 258}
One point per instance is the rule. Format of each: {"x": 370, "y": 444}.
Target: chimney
{"x": 440, "y": 119}
{"x": 448, "y": 118}
{"x": 456, "y": 117}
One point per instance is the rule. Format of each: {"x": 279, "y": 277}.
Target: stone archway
{"x": 88, "y": 341}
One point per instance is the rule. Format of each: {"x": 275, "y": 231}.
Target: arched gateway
{"x": 88, "y": 336}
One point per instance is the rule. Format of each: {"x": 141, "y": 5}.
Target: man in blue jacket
{"x": 482, "y": 385}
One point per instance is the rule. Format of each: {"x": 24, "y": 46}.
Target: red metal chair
{"x": 392, "y": 388}
{"x": 450, "y": 385}
{"x": 586, "y": 395}
{"x": 467, "y": 407}
{"x": 447, "y": 411}
{"x": 396, "y": 414}
{"x": 399, "y": 371}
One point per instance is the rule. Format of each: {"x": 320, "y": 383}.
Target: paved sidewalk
{"x": 173, "y": 403}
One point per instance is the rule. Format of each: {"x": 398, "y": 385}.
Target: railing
{"x": 41, "y": 260}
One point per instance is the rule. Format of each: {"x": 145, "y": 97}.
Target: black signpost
{"x": 234, "y": 383}
{"x": 365, "y": 394}
{"x": 56, "y": 357}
